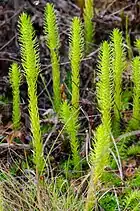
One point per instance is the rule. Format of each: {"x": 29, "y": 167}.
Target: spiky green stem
{"x": 118, "y": 65}
{"x": 99, "y": 156}
{"x": 31, "y": 66}
{"x": 14, "y": 76}
{"x": 88, "y": 24}
{"x": 53, "y": 43}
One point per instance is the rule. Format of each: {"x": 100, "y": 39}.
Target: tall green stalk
{"x": 75, "y": 55}
{"x": 135, "y": 121}
{"x": 53, "y": 43}
{"x": 88, "y": 24}
{"x": 31, "y": 65}
{"x": 118, "y": 65}
{"x": 14, "y": 77}
{"x": 71, "y": 127}
{"x": 99, "y": 157}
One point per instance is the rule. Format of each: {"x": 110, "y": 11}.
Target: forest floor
{"x": 108, "y": 15}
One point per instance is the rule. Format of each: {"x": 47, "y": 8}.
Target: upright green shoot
{"x": 31, "y": 65}
{"x": 14, "y": 76}
{"x": 53, "y": 43}
{"x": 75, "y": 55}
{"x": 118, "y": 65}
{"x": 104, "y": 86}
{"x": 99, "y": 156}
{"x": 71, "y": 126}
{"x": 88, "y": 24}
{"x": 135, "y": 121}
{"x": 133, "y": 198}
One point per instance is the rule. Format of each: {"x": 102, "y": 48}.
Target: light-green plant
{"x": 53, "y": 43}
{"x": 69, "y": 114}
{"x": 14, "y": 77}
{"x": 99, "y": 157}
{"x": 31, "y": 65}
{"x": 104, "y": 85}
{"x": 135, "y": 120}
{"x": 118, "y": 65}
{"x": 133, "y": 150}
{"x": 132, "y": 200}
{"x": 88, "y": 24}
{"x": 76, "y": 47}
{"x": 71, "y": 127}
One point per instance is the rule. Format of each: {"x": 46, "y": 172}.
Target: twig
{"x": 133, "y": 133}
{"x": 15, "y": 145}
{"x": 8, "y": 42}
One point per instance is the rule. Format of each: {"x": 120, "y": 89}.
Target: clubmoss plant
{"x": 53, "y": 43}
{"x": 88, "y": 24}
{"x": 118, "y": 65}
{"x": 100, "y": 155}
{"x": 135, "y": 121}
{"x": 132, "y": 200}
{"x": 75, "y": 55}
{"x": 71, "y": 127}
{"x": 108, "y": 202}
{"x": 133, "y": 150}
{"x": 14, "y": 76}
{"x": 104, "y": 86}
{"x": 31, "y": 65}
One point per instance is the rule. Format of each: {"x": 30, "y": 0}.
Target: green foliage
{"x": 133, "y": 150}
{"x": 126, "y": 96}
{"x": 31, "y": 66}
{"x": 14, "y": 77}
{"x": 123, "y": 146}
{"x": 53, "y": 43}
{"x": 100, "y": 155}
{"x": 67, "y": 200}
{"x": 132, "y": 200}
{"x": 135, "y": 121}
{"x": 75, "y": 56}
{"x": 118, "y": 64}
{"x": 111, "y": 179}
{"x": 88, "y": 24}
{"x": 71, "y": 126}
{"x": 134, "y": 182}
{"x": 108, "y": 202}
{"x": 60, "y": 184}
